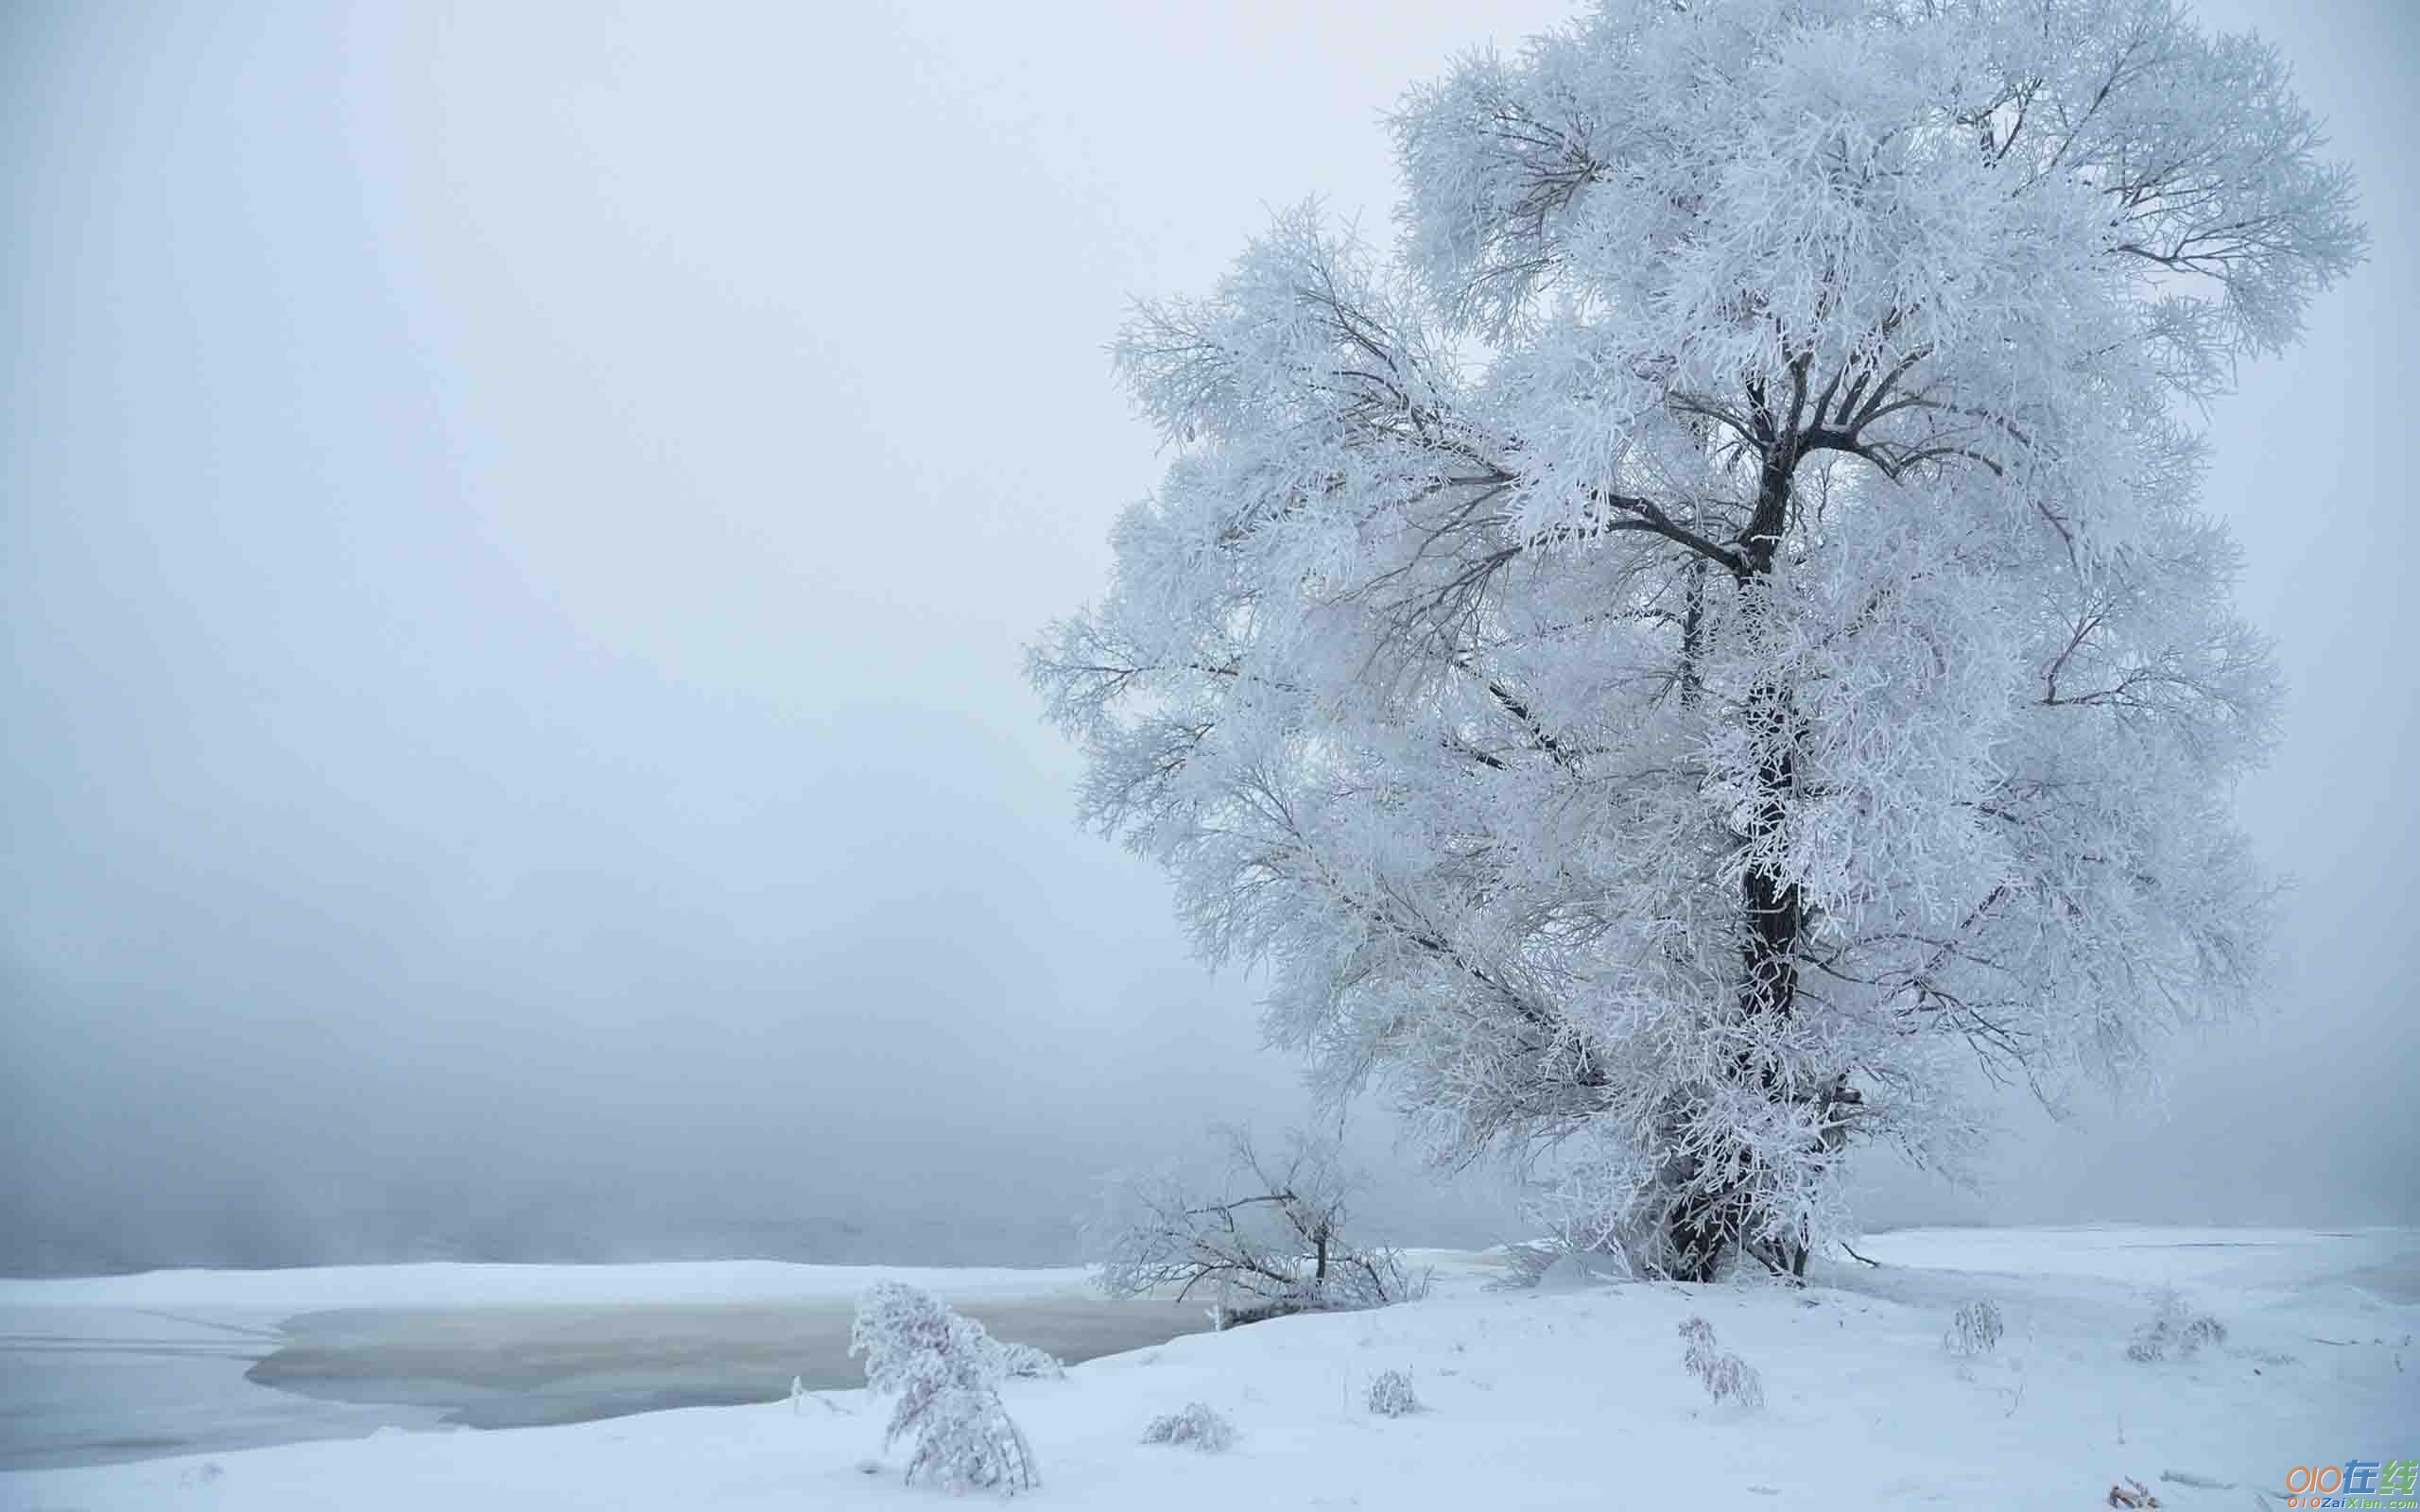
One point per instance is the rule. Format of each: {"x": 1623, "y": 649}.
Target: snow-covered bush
{"x": 1391, "y": 1394}
{"x": 2174, "y": 1330}
{"x": 1726, "y": 1377}
{"x": 1525, "y": 1263}
{"x": 1197, "y": 1427}
{"x": 946, "y": 1372}
{"x": 1581, "y": 1201}
{"x": 1975, "y": 1328}
{"x": 1270, "y": 1242}
{"x": 1026, "y": 1361}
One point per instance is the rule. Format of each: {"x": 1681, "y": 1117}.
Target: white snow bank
{"x": 441, "y": 1284}
{"x": 2245, "y": 1259}
{"x": 1530, "y": 1400}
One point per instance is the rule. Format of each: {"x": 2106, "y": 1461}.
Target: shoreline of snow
{"x": 1563, "y": 1398}
{"x": 1541, "y": 1399}
{"x": 467, "y": 1284}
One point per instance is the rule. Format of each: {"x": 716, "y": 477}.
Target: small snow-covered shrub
{"x": 1391, "y": 1394}
{"x": 2175, "y": 1330}
{"x": 1525, "y": 1263}
{"x": 2202, "y": 1331}
{"x": 1025, "y": 1361}
{"x": 1554, "y": 1265}
{"x": 1269, "y": 1241}
{"x": 1197, "y": 1427}
{"x": 1975, "y": 1328}
{"x": 946, "y": 1372}
{"x": 1726, "y": 1377}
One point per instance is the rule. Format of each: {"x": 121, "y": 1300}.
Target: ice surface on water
{"x": 91, "y": 1371}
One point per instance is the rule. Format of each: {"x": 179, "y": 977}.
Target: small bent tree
{"x": 1272, "y": 1241}
{"x": 946, "y": 1372}
{"x": 1718, "y": 637}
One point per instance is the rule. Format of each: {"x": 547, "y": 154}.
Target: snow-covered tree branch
{"x": 1717, "y": 633}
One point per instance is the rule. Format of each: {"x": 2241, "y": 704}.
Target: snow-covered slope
{"x": 1565, "y": 1399}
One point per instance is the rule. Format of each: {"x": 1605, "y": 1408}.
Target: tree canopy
{"x": 1714, "y": 635}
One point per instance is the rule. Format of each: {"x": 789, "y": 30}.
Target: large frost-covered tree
{"x": 1715, "y": 636}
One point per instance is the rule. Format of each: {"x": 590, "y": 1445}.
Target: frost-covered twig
{"x": 1975, "y": 1328}
{"x": 1726, "y": 1377}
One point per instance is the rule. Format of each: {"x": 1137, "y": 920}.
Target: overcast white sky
{"x": 517, "y": 525}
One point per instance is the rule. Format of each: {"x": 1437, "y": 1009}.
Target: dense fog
{"x": 520, "y": 524}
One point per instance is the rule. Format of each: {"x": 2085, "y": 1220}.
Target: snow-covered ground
{"x": 1569, "y": 1397}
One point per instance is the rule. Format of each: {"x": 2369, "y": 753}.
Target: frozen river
{"x": 132, "y": 1367}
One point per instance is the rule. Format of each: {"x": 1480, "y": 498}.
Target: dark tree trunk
{"x": 1702, "y": 1230}
{"x": 1704, "y": 1227}
{"x": 1768, "y": 981}
{"x": 1774, "y": 917}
